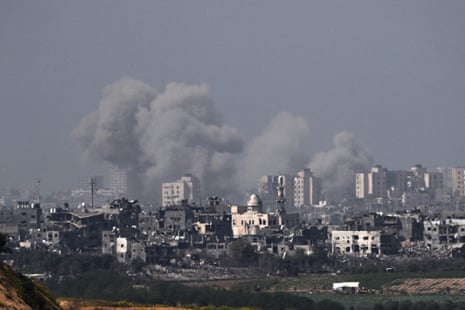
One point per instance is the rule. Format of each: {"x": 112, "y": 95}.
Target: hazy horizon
{"x": 219, "y": 84}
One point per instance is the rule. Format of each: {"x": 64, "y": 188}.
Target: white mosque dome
{"x": 254, "y": 201}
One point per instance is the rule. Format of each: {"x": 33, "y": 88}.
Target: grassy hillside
{"x": 19, "y": 292}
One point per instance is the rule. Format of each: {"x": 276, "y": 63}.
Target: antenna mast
{"x": 92, "y": 190}
{"x": 38, "y": 190}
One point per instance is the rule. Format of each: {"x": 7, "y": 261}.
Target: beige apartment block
{"x": 356, "y": 243}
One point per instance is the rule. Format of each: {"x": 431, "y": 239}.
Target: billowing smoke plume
{"x": 338, "y": 166}
{"x": 277, "y": 150}
{"x": 158, "y": 137}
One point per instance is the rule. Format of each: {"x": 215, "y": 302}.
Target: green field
{"x": 369, "y": 301}
{"x": 318, "y": 287}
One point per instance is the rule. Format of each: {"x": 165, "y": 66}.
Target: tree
{"x": 242, "y": 253}
{"x": 4, "y": 243}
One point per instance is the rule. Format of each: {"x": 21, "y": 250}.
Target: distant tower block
{"x": 119, "y": 181}
{"x": 187, "y": 188}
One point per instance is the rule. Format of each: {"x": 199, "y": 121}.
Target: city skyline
{"x": 303, "y": 188}
{"x": 388, "y": 76}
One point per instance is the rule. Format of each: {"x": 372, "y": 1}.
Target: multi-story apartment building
{"x": 372, "y": 184}
{"x": 377, "y": 182}
{"x": 458, "y": 181}
{"x": 357, "y": 243}
{"x": 414, "y": 199}
{"x": 361, "y": 187}
{"x": 307, "y": 189}
{"x": 186, "y": 188}
{"x": 119, "y": 181}
{"x": 416, "y": 178}
{"x": 397, "y": 181}
{"x": 434, "y": 181}
{"x": 446, "y": 233}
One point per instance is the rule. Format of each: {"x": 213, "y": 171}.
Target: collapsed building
{"x": 377, "y": 233}
{"x": 444, "y": 234}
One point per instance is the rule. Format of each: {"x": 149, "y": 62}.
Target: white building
{"x": 250, "y": 219}
{"x": 361, "y": 187}
{"x": 307, "y": 189}
{"x": 127, "y": 250}
{"x": 187, "y": 188}
{"x": 346, "y": 287}
{"x": 357, "y": 243}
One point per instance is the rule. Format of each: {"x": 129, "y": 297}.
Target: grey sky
{"x": 389, "y": 72}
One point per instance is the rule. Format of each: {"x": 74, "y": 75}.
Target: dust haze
{"x": 157, "y": 136}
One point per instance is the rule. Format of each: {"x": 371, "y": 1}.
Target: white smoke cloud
{"x": 278, "y": 149}
{"x": 338, "y": 166}
{"x": 160, "y": 137}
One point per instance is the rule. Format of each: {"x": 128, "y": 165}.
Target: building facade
{"x": 458, "y": 181}
{"x": 307, "y": 189}
{"x": 373, "y": 184}
{"x": 186, "y": 188}
{"x": 119, "y": 182}
{"x": 357, "y": 243}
